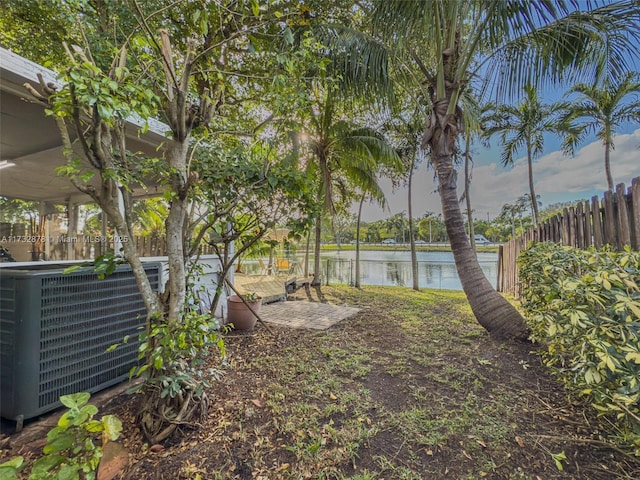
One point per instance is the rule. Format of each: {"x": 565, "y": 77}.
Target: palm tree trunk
{"x": 532, "y": 192}
{"x": 491, "y": 310}
{"x": 412, "y": 239}
{"x": 357, "y": 280}
{"x": 607, "y": 165}
{"x": 317, "y": 275}
{"x": 467, "y": 190}
{"x": 306, "y": 255}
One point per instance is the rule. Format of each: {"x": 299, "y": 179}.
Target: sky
{"x": 558, "y": 178}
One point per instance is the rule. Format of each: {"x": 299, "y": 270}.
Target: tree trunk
{"x": 412, "y": 237}
{"x": 306, "y": 255}
{"x": 357, "y": 280}
{"x": 491, "y": 310}
{"x": 607, "y": 165}
{"x": 111, "y": 209}
{"x": 175, "y": 231}
{"x": 532, "y": 191}
{"x": 467, "y": 191}
{"x": 317, "y": 275}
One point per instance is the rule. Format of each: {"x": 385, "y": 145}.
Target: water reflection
{"x": 435, "y": 269}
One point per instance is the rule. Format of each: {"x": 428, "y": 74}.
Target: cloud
{"x": 557, "y": 178}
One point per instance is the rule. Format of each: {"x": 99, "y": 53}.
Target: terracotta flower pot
{"x": 239, "y": 315}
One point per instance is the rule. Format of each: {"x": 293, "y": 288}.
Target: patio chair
{"x": 264, "y": 270}
{"x": 283, "y": 265}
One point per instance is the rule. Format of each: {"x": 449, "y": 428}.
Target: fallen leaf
{"x": 520, "y": 442}
{"x": 282, "y": 468}
{"x": 429, "y": 452}
{"x": 156, "y": 448}
{"x": 257, "y": 402}
{"x": 480, "y": 442}
{"x": 467, "y": 455}
{"x": 332, "y": 396}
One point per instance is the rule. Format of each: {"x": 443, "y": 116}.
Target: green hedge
{"x": 584, "y": 306}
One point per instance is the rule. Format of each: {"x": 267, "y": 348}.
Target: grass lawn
{"x": 410, "y": 388}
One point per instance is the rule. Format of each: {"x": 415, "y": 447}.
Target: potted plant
{"x": 242, "y": 314}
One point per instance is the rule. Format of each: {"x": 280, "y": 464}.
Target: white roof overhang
{"x": 30, "y": 140}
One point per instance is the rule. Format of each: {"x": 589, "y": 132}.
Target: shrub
{"x": 174, "y": 357}
{"x": 584, "y": 306}
{"x": 70, "y": 452}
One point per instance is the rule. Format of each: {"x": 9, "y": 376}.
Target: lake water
{"x": 393, "y": 268}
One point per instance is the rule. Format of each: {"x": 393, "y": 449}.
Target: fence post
{"x": 596, "y": 216}
{"x": 609, "y": 220}
{"x": 624, "y": 234}
{"x": 327, "y": 275}
{"x": 635, "y": 212}
{"x": 587, "y": 226}
{"x": 351, "y": 282}
{"x": 580, "y": 226}
{"x": 499, "y": 280}
{"x": 566, "y": 235}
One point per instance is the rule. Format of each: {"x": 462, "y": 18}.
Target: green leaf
{"x": 87, "y": 176}
{"x": 112, "y": 426}
{"x": 64, "y": 422}
{"x": 204, "y": 26}
{"x": 15, "y": 462}
{"x": 71, "y": 269}
{"x": 558, "y": 457}
{"x": 47, "y": 463}
{"x": 633, "y": 356}
{"x": 78, "y": 418}
{"x": 62, "y": 442}
{"x": 94, "y": 426}
{"x": 89, "y": 410}
{"x": 288, "y": 36}
{"x": 75, "y": 399}
{"x": 255, "y": 7}
{"x": 633, "y": 306}
{"x": 69, "y": 472}
{"x": 8, "y": 473}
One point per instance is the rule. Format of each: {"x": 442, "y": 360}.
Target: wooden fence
{"x": 85, "y": 247}
{"x": 156, "y": 247}
{"x": 614, "y": 221}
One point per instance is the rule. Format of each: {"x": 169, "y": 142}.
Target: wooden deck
{"x": 272, "y": 288}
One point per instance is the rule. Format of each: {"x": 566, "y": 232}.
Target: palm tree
{"x": 345, "y": 155}
{"x": 507, "y": 45}
{"x": 601, "y": 110}
{"x": 523, "y": 126}
{"x": 405, "y": 130}
{"x": 382, "y": 202}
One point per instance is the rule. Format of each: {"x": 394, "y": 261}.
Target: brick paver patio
{"x": 302, "y": 314}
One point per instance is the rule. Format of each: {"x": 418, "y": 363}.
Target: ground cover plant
{"x": 409, "y": 388}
